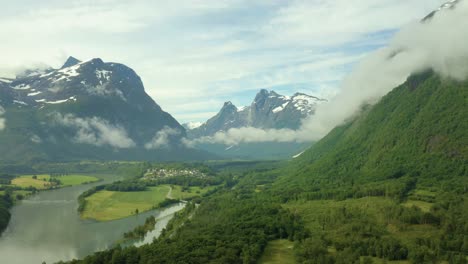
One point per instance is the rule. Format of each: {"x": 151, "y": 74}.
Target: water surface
{"x": 47, "y": 227}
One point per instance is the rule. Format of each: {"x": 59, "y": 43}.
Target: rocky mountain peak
{"x": 446, "y": 6}
{"x": 262, "y": 95}
{"x": 71, "y": 61}
{"x": 228, "y": 107}
{"x": 268, "y": 110}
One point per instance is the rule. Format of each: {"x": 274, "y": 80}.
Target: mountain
{"x": 86, "y": 110}
{"x": 448, "y": 5}
{"x": 268, "y": 110}
{"x": 416, "y": 132}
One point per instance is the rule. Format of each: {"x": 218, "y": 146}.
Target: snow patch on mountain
{"x": 103, "y": 74}
{"x": 448, "y": 5}
{"x": 19, "y": 102}
{"x": 34, "y": 93}
{"x": 67, "y": 73}
{"x": 280, "y": 108}
{"x": 22, "y": 87}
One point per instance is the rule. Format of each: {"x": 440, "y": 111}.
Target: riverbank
{"x": 46, "y": 227}
{"x": 104, "y": 205}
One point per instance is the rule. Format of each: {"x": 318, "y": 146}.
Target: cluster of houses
{"x": 156, "y": 173}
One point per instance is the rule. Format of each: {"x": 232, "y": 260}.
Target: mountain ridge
{"x": 268, "y": 110}
{"x": 92, "y": 107}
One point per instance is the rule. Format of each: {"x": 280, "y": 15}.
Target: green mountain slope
{"x": 390, "y": 184}
{"x": 419, "y": 130}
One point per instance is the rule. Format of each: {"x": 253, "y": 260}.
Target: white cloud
{"x": 439, "y": 44}
{"x": 200, "y": 48}
{"x": 96, "y": 131}
{"x": 235, "y": 136}
{"x": 162, "y": 138}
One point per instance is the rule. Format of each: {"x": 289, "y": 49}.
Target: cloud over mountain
{"x": 96, "y": 131}
{"x": 438, "y": 44}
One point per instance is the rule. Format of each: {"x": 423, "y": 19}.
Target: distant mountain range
{"x": 269, "y": 110}
{"x": 85, "y": 110}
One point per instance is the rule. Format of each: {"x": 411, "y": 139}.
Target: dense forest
{"x": 5, "y": 204}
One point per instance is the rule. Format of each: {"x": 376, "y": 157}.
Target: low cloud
{"x": 235, "y": 136}
{"x": 162, "y": 138}
{"x": 438, "y": 44}
{"x": 96, "y": 131}
{"x": 2, "y": 120}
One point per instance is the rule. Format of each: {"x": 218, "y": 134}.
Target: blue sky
{"x": 194, "y": 55}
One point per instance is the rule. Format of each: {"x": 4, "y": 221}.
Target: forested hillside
{"x": 5, "y": 204}
{"x": 417, "y": 132}
{"x": 391, "y": 184}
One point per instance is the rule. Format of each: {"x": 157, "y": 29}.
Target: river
{"x": 47, "y": 227}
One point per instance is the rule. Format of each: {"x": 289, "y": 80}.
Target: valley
{"x": 234, "y": 132}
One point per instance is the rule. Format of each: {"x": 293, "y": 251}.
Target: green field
{"x": 278, "y": 252}
{"x": 193, "y": 191}
{"x": 42, "y": 183}
{"x": 111, "y": 205}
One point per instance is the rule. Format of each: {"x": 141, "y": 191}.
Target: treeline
{"x": 82, "y": 197}
{"x": 6, "y": 178}
{"x": 187, "y": 181}
{"x": 342, "y": 189}
{"x": 6, "y": 202}
{"x": 126, "y": 186}
{"x": 139, "y": 232}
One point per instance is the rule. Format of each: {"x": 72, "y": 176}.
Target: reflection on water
{"x": 46, "y": 227}
{"x": 161, "y": 222}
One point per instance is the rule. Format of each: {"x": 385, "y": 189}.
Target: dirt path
{"x": 169, "y": 193}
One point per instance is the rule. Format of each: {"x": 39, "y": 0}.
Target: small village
{"x": 159, "y": 173}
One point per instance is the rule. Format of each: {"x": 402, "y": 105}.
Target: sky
{"x": 194, "y": 55}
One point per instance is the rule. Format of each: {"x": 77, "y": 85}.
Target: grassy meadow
{"x": 279, "y": 251}
{"x": 42, "y": 180}
{"x": 111, "y": 205}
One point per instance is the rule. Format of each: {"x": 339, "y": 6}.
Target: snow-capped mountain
{"x": 446, "y": 6}
{"x": 90, "y": 109}
{"x": 268, "y": 110}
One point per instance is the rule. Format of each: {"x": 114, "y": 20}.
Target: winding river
{"x": 47, "y": 227}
